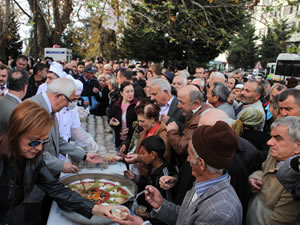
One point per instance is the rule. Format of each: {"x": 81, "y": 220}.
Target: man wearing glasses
{"x": 60, "y": 93}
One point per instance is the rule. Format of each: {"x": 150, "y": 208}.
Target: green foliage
{"x": 242, "y": 52}
{"x": 14, "y": 43}
{"x": 181, "y": 32}
{"x": 275, "y": 42}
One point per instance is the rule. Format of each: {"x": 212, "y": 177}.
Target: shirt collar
{"x": 196, "y": 110}
{"x": 19, "y": 100}
{"x": 47, "y": 101}
{"x": 170, "y": 101}
{"x": 202, "y": 187}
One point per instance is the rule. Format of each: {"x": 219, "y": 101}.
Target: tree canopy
{"x": 242, "y": 52}
{"x": 275, "y": 41}
{"x": 185, "y": 32}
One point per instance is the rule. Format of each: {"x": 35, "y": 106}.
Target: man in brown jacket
{"x": 190, "y": 101}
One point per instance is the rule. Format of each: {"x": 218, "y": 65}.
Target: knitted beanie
{"x": 215, "y": 144}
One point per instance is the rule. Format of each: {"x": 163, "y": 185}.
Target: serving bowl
{"x": 117, "y": 179}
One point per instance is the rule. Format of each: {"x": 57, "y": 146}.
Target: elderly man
{"x": 179, "y": 82}
{"x": 17, "y": 86}
{"x": 60, "y": 93}
{"x": 217, "y": 95}
{"x": 4, "y": 71}
{"x": 273, "y": 204}
{"x": 212, "y": 200}
{"x": 230, "y": 83}
{"x": 289, "y": 102}
{"x": 246, "y": 160}
{"x": 199, "y": 82}
{"x": 276, "y": 90}
{"x": 160, "y": 91}
{"x": 190, "y": 101}
{"x": 250, "y": 97}
{"x": 216, "y": 77}
{"x": 289, "y": 176}
{"x": 237, "y": 74}
{"x": 107, "y": 69}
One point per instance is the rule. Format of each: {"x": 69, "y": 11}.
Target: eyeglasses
{"x": 69, "y": 100}
{"x": 35, "y": 143}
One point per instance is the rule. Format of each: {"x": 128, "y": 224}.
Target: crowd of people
{"x": 207, "y": 148}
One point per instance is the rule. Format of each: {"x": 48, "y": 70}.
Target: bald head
{"x": 188, "y": 89}
{"x": 189, "y": 99}
{"x": 211, "y": 116}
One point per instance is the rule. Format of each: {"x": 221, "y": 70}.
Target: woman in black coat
{"x": 22, "y": 166}
{"x": 123, "y": 114}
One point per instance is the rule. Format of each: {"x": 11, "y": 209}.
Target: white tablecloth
{"x": 56, "y": 217}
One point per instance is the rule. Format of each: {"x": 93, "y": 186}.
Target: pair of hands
{"x": 90, "y": 157}
{"x": 129, "y": 158}
{"x": 153, "y": 196}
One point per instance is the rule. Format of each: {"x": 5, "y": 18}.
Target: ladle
{"x": 83, "y": 186}
{"x": 84, "y": 189}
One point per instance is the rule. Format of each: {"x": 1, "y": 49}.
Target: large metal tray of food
{"x": 103, "y": 189}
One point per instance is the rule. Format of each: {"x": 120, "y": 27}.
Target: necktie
{"x": 238, "y": 109}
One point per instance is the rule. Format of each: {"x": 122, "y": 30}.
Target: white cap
{"x": 239, "y": 86}
{"x": 79, "y": 85}
{"x": 57, "y": 69}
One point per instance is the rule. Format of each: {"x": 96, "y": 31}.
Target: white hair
{"x": 107, "y": 66}
{"x": 293, "y": 124}
{"x": 63, "y": 86}
{"x": 183, "y": 78}
{"x": 183, "y": 73}
{"x": 218, "y": 75}
{"x": 162, "y": 84}
{"x": 202, "y": 82}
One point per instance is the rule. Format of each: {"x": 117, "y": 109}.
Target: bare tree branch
{"x": 20, "y": 7}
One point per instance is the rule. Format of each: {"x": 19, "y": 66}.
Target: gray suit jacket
{"x": 218, "y": 205}
{"x": 7, "y": 106}
{"x": 57, "y": 144}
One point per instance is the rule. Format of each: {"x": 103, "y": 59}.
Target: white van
{"x": 287, "y": 65}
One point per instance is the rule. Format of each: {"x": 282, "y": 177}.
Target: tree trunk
{"x": 4, "y": 20}
{"x": 46, "y": 35}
